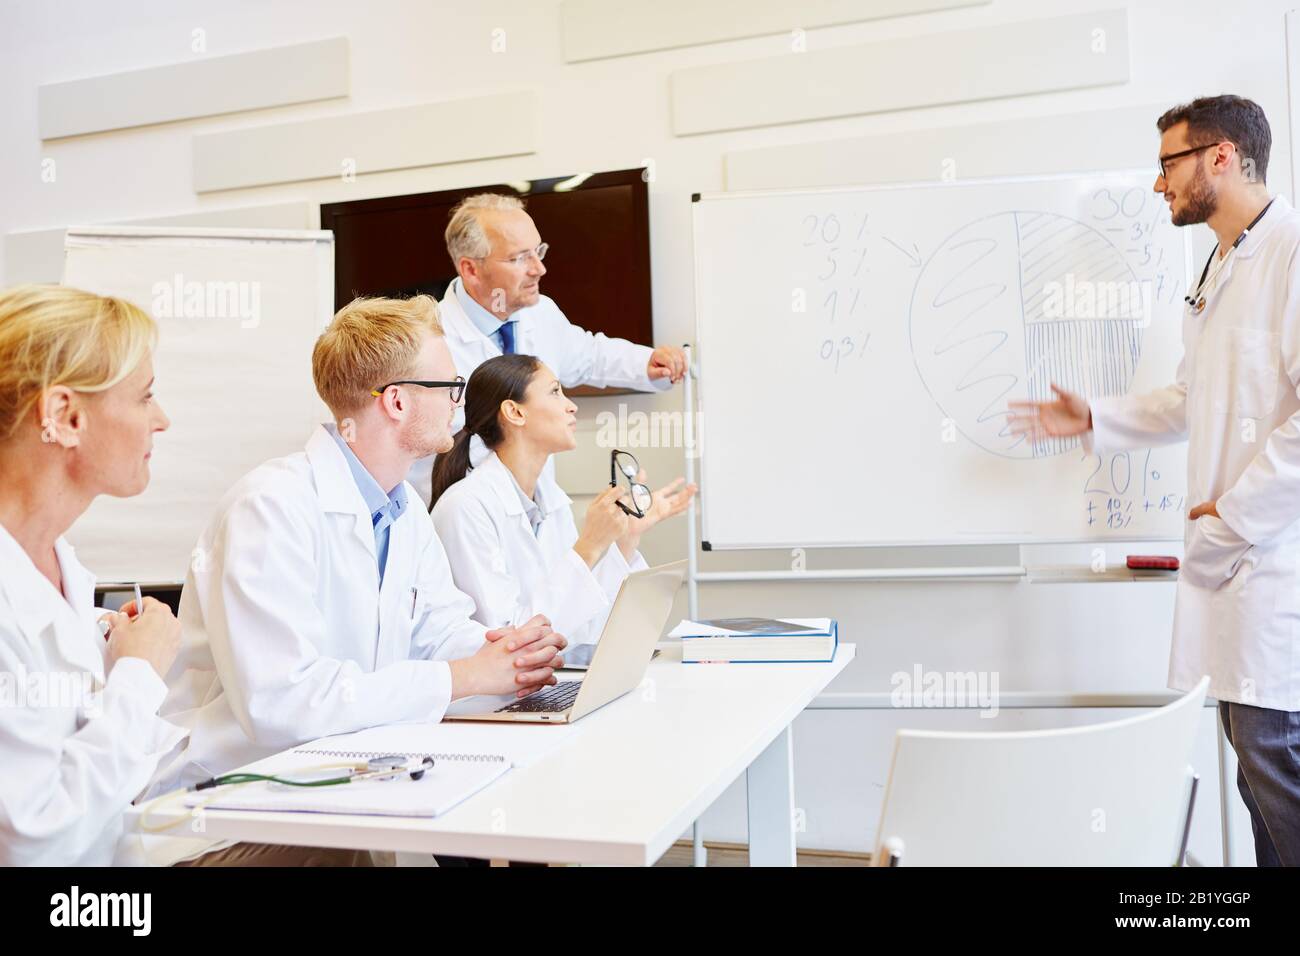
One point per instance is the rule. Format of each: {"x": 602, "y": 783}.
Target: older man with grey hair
{"x": 495, "y": 307}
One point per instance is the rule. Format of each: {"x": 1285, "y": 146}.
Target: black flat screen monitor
{"x": 597, "y": 226}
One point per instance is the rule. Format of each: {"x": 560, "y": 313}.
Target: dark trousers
{"x": 1267, "y": 743}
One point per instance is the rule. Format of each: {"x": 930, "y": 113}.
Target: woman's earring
{"x": 48, "y": 434}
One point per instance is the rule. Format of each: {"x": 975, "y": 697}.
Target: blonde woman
{"x": 80, "y": 734}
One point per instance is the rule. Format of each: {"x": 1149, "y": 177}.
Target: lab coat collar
{"x": 377, "y": 500}
{"x": 483, "y": 320}
{"x": 34, "y": 599}
{"x": 459, "y": 326}
{"x": 1254, "y": 241}
{"x": 549, "y": 495}
{"x": 78, "y": 583}
{"x": 335, "y": 486}
{"x": 455, "y": 323}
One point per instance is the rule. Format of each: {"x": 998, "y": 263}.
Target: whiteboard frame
{"x": 698, "y": 396}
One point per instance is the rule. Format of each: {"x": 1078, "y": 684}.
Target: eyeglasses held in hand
{"x": 624, "y": 463}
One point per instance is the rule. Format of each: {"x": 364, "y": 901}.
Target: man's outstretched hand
{"x": 1065, "y": 416}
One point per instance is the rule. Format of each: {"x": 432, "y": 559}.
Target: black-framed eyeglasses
{"x": 620, "y": 462}
{"x": 457, "y": 387}
{"x": 1185, "y": 152}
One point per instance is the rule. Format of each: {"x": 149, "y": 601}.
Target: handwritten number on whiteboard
{"x": 1087, "y": 489}
{"x": 830, "y": 258}
{"x": 812, "y": 230}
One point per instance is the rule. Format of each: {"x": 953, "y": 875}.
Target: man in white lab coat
{"x": 1236, "y": 401}
{"x": 319, "y": 603}
{"x": 495, "y": 307}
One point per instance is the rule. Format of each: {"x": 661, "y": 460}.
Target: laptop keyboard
{"x": 549, "y": 701}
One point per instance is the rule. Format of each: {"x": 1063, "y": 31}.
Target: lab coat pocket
{"x": 400, "y": 620}
{"x": 1242, "y": 569}
{"x": 1246, "y": 384}
{"x": 1215, "y": 557}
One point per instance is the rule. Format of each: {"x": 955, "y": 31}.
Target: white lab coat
{"x": 1237, "y": 402}
{"x": 287, "y": 635}
{"x": 70, "y": 762}
{"x": 577, "y": 357}
{"x": 512, "y": 573}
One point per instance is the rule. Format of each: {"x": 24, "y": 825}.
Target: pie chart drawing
{"x": 992, "y": 319}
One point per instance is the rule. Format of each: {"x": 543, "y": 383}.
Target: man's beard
{"x": 1201, "y": 201}
{"x": 421, "y": 438}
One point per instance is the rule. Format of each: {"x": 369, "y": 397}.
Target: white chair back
{"x": 1113, "y": 794}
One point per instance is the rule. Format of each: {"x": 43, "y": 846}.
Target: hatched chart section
{"x": 1014, "y": 302}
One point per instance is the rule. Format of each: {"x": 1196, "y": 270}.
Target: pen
{"x": 104, "y": 627}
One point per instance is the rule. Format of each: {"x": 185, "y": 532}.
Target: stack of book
{"x": 753, "y": 640}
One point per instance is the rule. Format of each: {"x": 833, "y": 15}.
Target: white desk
{"x": 635, "y": 777}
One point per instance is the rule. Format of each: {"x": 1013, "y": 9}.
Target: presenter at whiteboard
{"x": 494, "y": 306}
{"x": 1236, "y": 401}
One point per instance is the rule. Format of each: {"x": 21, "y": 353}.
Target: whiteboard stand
{"x": 699, "y": 855}
{"x": 882, "y": 701}
{"x": 1227, "y": 770}
{"x": 692, "y": 546}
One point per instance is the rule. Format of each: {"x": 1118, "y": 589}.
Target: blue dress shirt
{"x": 385, "y": 508}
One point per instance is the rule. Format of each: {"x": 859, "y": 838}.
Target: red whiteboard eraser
{"x": 1152, "y": 562}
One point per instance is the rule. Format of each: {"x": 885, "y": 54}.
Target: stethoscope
{"x": 382, "y": 767}
{"x": 1196, "y": 300}
{"x": 385, "y": 767}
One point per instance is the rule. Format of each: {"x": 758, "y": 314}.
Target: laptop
{"x": 620, "y": 660}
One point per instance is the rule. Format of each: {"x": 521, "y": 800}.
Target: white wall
{"x": 615, "y": 113}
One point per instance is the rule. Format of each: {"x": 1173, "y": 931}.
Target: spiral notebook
{"x": 454, "y": 778}
{"x": 521, "y": 745}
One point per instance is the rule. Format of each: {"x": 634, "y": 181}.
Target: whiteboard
{"x": 857, "y": 348}
{"x": 238, "y": 313}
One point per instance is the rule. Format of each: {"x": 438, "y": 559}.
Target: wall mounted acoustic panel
{"x": 1124, "y": 138}
{"x": 201, "y": 87}
{"x": 430, "y": 134}
{"x": 1010, "y": 59}
{"x": 37, "y": 255}
{"x": 34, "y": 256}
{"x": 594, "y": 29}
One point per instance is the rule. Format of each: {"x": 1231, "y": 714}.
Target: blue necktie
{"x": 507, "y": 332}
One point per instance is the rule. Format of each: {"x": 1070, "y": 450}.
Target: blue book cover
{"x": 805, "y": 646}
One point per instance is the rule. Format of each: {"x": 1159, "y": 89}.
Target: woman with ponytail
{"x": 509, "y": 530}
